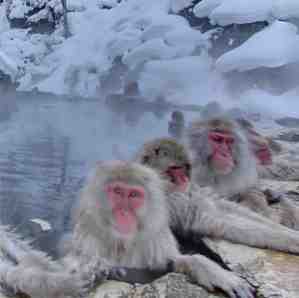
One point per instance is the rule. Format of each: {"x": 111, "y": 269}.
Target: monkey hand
{"x": 97, "y": 271}
{"x": 212, "y": 276}
{"x": 39, "y": 282}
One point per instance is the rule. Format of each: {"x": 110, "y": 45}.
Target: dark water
{"x": 48, "y": 146}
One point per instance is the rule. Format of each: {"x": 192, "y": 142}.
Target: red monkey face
{"x": 178, "y": 177}
{"x": 171, "y": 160}
{"x": 125, "y": 200}
{"x": 221, "y": 158}
{"x": 260, "y": 148}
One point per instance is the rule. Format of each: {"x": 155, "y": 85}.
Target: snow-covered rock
{"x": 226, "y": 12}
{"x": 139, "y": 31}
{"x": 276, "y": 45}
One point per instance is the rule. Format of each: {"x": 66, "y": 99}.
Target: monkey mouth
{"x": 264, "y": 157}
{"x": 178, "y": 176}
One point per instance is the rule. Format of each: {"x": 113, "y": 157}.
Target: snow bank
{"x": 274, "y": 46}
{"x": 178, "y": 5}
{"x": 226, "y": 12}
{"x": 269, "y": 105}
{"x": 137, "y": 30}
{"x": 183, "y": 80}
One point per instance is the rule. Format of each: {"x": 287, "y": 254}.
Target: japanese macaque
{"x": 259, "y": 145}
{"x": 176, "y": 125}
{"x": 26, "y": 271}
{"x": 122, "y": 220}
{"x": 222, "y": 158}
{"x": 200, "y": 212}
{"x": 266, "y": 151}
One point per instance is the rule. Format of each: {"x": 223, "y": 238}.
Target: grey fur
{"x": 242, "y": 184}
{"x": 26, "y": 270}
{"x": 95, "y": 241}
{"x": 204, "y": 212}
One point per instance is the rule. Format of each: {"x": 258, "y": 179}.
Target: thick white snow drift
{"x": 276, "y": 45}
{"x": 225, "y": 12}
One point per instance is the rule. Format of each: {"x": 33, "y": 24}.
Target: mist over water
{"x": 47, "y": 147}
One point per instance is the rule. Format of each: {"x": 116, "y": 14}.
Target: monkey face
{"x": 172, "y": 162}
{"x": 125, "y": 201}
{"x": 260, "y": 148}
{"x": 221, "y": 157}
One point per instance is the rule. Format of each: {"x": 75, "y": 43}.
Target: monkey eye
{"x": 134, "y": 194}
{"x": 117, "y": 190}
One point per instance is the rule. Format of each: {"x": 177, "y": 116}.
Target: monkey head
{"x": 214, "y": 143}
{"x": 221, "y": 155}
{"x": 121, "y": 197}
{"x": 259, "y": 145}
{"x": 170, "y": 159}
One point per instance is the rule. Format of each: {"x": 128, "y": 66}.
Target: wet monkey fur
{"x": 26, "y": 271}
{"x": 222, "y": 158}
{"x": 122, "y": 220}
{"x": 203, "y": 213}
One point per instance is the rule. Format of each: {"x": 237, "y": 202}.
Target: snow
{"x": 274, "y": 46}
{"x": 160, "y": 49}
{"x": 226, "y": 12}
{"x": 8, "y": 66}
{"x": 268, "y": 105}
{"x": 180, "y": 80}
{"x": 178, "y": 5}
{"x": 45, "y": 226}
{"x": 286, "y": 9}
{"x": 140, "y": 31}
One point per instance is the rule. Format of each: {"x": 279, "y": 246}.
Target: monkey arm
{"x": 246, "y": 231}
{"x": 240, "y": 210}
{"x": 204, "y": 217}
{"x": 210, "y": 275}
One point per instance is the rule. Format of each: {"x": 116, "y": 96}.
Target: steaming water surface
{"x": 48, "y": 146}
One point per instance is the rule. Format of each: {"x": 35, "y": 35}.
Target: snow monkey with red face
{"x": 201, "y": 211}
{"x": 266, "y": 151}
{"x": 223, "y": 159}
{"x": 122, "y": 220}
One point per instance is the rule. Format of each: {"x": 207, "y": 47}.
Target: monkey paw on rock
{"x": 99, "y": 271}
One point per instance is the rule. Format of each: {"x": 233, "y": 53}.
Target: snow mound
{"x": 274, "y": 46}
{"x": 138, "y": 31}
{"x": 183, "y": 80}
{"x": 269, "y": 105}
{"x": 226, "y": 12}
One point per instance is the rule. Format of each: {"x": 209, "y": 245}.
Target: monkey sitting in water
{"x": 201, "y": 212}
{"x": 122, "y": 220}
{"x": 222, "y": 158}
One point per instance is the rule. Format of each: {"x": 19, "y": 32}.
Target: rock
{"x": 171, "y": 285}
{"x": 288, "y": 121}
{"x": 275, "y": 274}
{"x": 290, "y": 136}
{"x": 280, "y": 171}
